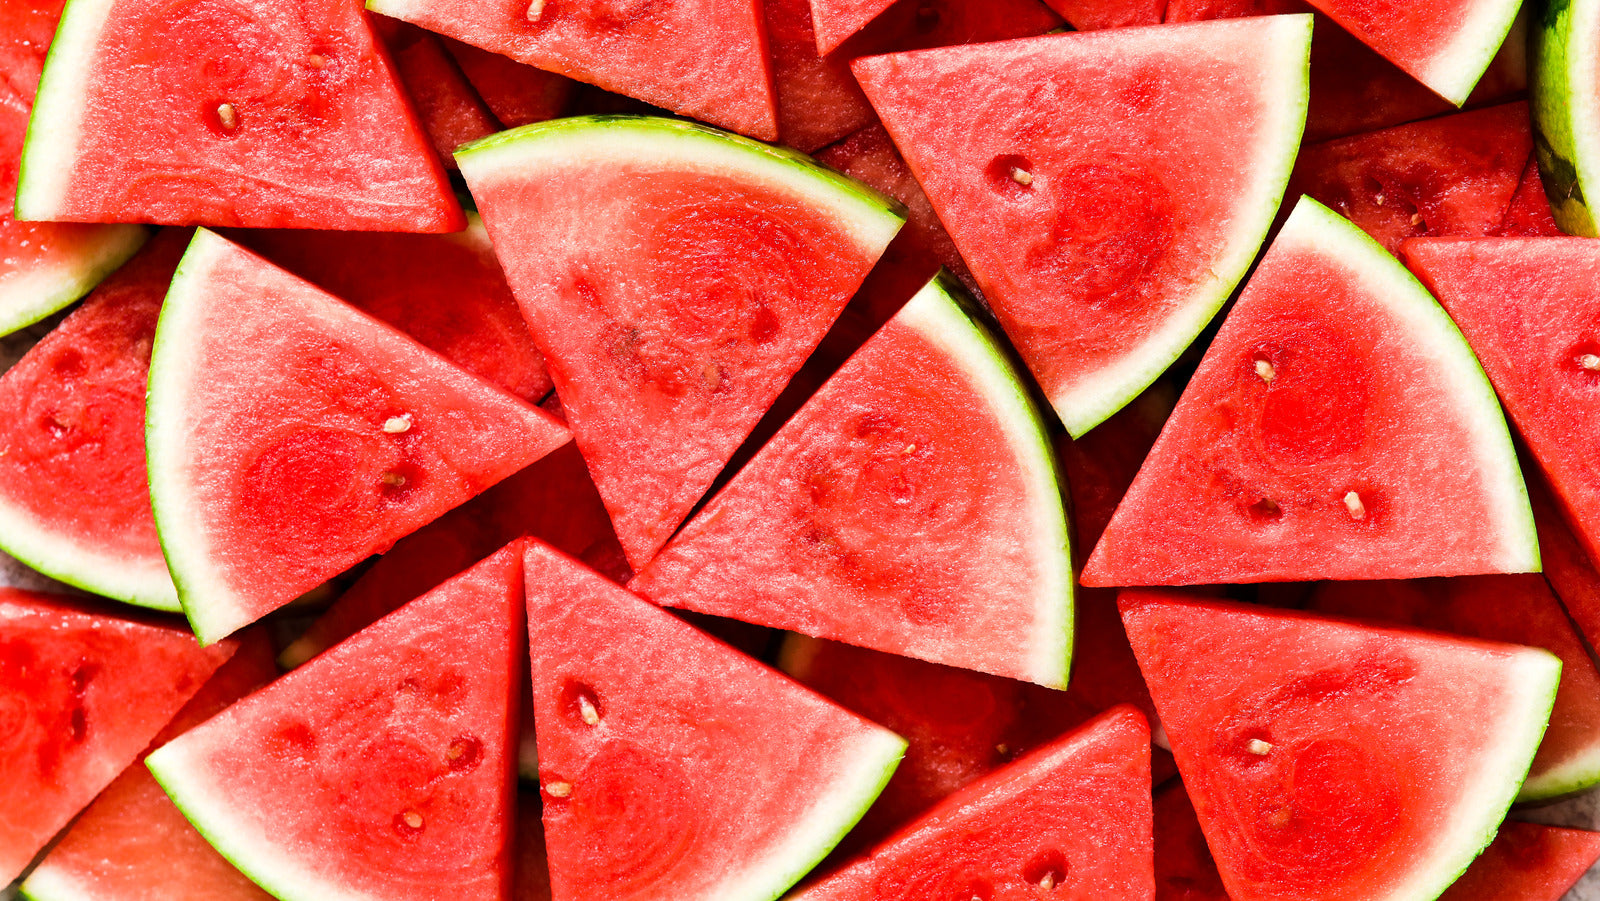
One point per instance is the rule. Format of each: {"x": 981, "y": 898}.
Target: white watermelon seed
{"x": 1021, "y": 176}
{"x": 559, "y": 789}
{"x": 1002, "y": 749}
{"x": 1048, "y": 882}
{"x": 1265, "y": 370}
{"x": 1590, "y": 362}
{"x": 316, "y": 60}
{"x": 392, "y": 479}
{"x": 1352, "y": 502}
{"x": 1260, "y": 748}
{"x": 586, "y": 709}
{"x": 1416, "y": 219}
{"x": 412, "y": 819}
{"x": 228, "y": 116}
{"x": 1379, "y": 198}
{"x": 397, "y": 425}
{"x": 535, "y": 10}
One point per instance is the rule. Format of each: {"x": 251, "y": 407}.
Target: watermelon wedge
{"x": 1337, "y": 428}
{"x": 1527, "y": 862}
{"x": 666, "y": 54}
{"x": 131, "y": 841}
{"x": 81, "y": 693}
{"x": 836, "y": 20}
{"x": 517, "y": 94}
{"x": 911, "y": 506}
{"x": 450, "y": 111}
{"x": 818, "y": 101}
{"x": 740, "y": 257}
{"x": 1071, "y": 820}
{"x": 1529, "y": 215}
{"x": 1113, "y": 218}
{"x": 334, "y": 436}
{"x": 379, "y": 770}
{"x": 1566, "y": 566}
{"x": 74, "y": 500}
{"x": 1093, "y": 15}
{"x": 1185, "y": 870}
{"x": 222, "y": 114}
{"x": 1328, "y": 759}
{"x": 1566, "y": 110}
{"x": 673, "y": 766}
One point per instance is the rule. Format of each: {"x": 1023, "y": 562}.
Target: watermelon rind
{"x": 65, "y": 560}
{"x": 56, "y": 124}
{"x": 1454, "y": 72}
{"x": 49, "y": 884}
{"x": 1566, "y": 114}
{"x": 29, "y": 296}
{"x": 1578, "y": 774}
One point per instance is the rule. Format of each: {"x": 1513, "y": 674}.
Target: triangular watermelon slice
{"x": 706, "y": 59}
{"x": 1528, "y": 862}
{"x": 82, "y": 694}
{"x": 738, "y": 258}
{"x": 836, "y": 20}
{"x": 1328, "y": 759}
{"x": 450, "y": 111}
{"x": 1092, "y": 15}
{"x": 227, "y": 114}
{"x": 673, "y": 766}
{"x": 380, "y": 770}
{"x": 1567, "y": 567}
{"x": 911, "y": 506}
{"x": 1529, "y": 215}
{"x": 1337, "y": 428}
{"x": 1071, "y": 820}
{"x": 517, "y": 94}
{"x": 290, "y": 436}
{"x": 1445, "y": 44}
{"x": 1107, "y": 189}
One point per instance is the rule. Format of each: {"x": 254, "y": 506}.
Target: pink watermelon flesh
{"x": 836, "y": 20}
{"x": 1328, "y": 759}
{"x": 381, "y": 769}
{"x": 74, "y": 498}
{"x": 897, "y": 510}
{"x": 174, "y": 125}
{"x": 1092, "y": 15}
{"x": 531, "y": 879}
{"x": 1515, "y": 609}
{"x": 1566, "y": 565}
{"x": 1441, "y": 43}
{"x": 1185, "y": 870}
{"x": 921, "y": 24}
{"x": 817, "y": 98}
{"x": 275, "y": 470}
{"x": 666, "y": 54}
{"x": 81, "y": 693}
{"x": 1104, "y": 218}
{"x": 1528, "y": 862}
{"x": 1337, "y": 428}
{"x": 1454, "y": 176}
{"x": 1070, "y": 821}
{"x": 447, "y": 292}
{"x": 517, "y": 94}
{"x": 132, "y": 844}
{"x": 450, "y": 111}
{"x": 672, "y": 765}
{"x": 1529, "y": 214}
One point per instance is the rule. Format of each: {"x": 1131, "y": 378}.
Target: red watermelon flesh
{"x": 1529, "y": 214}
{"x": 1070, "y": 821}
{"x": 1337, "y": 428}
{"x": 1528, "y": 862}
{"x": 1090, "y": 15}
{"x": 26, "y": 29}
{"x": 1185, "y": 870}
{"x": 275, "y": 470}
{"x": 1451, "y": 176}
{"x": 1516, "y": 609}
{"x": 517, "y": 94}
{"x": 81, "y": 694}
{"x": 451, "y": 112}
{"x": 132, "y": 844}
{"x": 1566, "y": 564}
{"x": 1329, "y": 759}
{"x": 74, "y": 499}
{"x": 379, "y": 770}
{"x": 817, "y": 97}
{"x": 921, "y": 24}
{"x": 673, "y": 766}
{"x": 531, "y": 877}
{"x": 836, "y": 20}
{"x": 146, "y": 115}
{"x": 448, "y": 292}
{"x": 666, "y": 54}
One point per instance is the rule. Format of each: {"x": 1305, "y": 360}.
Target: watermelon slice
{"x": 817, "y": 98}
{"x": 741, "y": 256}
{"x": 1071, "y": 820}
{"x": 81, "y": 694}
{"x": 1112, "y": 220}
{"x": 379, "y": 770}
{"x": 274, "y": 470}
{"x": 1328, "y": 759}
{"x": 451, "y": 112}
{"x": 673, "y": 766}
{"x": 910, "y": 506}
{"x": 517, "y": 94}
{"x": 1337, "y": 428}
{"x": 1566, "y": 566}
{"x": 1529, "y": 215}
{"x": 1528, "y": 862}
{"x": 836, "y": 20}
{"x": 74, "y": 500}
{"x": 1515, "y": 609}
{"x": 132, "y": 841}
{"x": 666, "y": 54}
{"x": 1565, "y": 110}
{"x": 221, "y": 114}
{"x": 1092, "y": 15}
{"x": 1185, "y": 870}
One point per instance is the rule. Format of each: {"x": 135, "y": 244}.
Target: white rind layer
{"x": 63, "y": 558}
{"x": 29, "y": 296}
{"x": 48, "y": 883}
{"x": 55, "y": 128}
{"x": 1575, "y": 774}
{"x": 1456, "y": 71}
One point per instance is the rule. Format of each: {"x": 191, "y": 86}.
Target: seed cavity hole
{"x": 581, "y": 703}
{"x": 1011, "y": 175}
{"x": 1048, "y": 870}
{"x": 408, "y": 823}
{"x": 464, "y": 753}
{"x": 1266, "y": 510}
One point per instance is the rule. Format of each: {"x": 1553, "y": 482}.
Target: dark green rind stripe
{"x": 1555, "y": 98}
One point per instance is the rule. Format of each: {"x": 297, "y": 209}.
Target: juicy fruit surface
{"x": 1328, "y": 759}
{"x": 817, "y": 97}
{"x": 917, "y": 484}
{"x": 1527, "y": 862}
{"x": 81, "y": 695}
{"x": 74, "y": 499}
{"x": 1445, "y": 44}
{"x": 836, "y": 20}
{"x": 1566, "y": 565}
{"x": 145, "y": 115}
{"x": 450, "y": 111}
{"x": 1185, "y": 870}
{"x": 1337, "y": 428}
{"x": 672, "y": 766}
{"x": 517, "y": 94}
{"x": 380, "y": 770}
{"x": 1096, "y": 207}
{"x": 1071, "y": 820}
{"x": 666, "y": 356}
{"x": 335, "y": 436}
{"x": 1090, "y": 15}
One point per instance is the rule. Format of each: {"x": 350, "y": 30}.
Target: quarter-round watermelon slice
{"x": 1109, "y": 189}
{"x": 289, "y": 436}
{"x": 224, "y": 112}
{"x": 673, "y": 766}
{"x": 675, "y": 277}
{"x": 380, "y": 770}
{"x": 1445, "y": 44}
{"x": 911, "y": 506}
{"x": 1337, "y": 428}
{"x": 1071, "y": 820}
{"x": 1565, "y": 95}
{"x": 1329, "y": 759}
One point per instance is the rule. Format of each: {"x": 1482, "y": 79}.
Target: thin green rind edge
{"x": 1092, "y": 415}
{"x": 165, "y": 602}
{"x": 1482, "y": 57}
{"x": 1557, "y": 104}
{"x": 117, "y": 245}
{"x": 1562, "y": 782}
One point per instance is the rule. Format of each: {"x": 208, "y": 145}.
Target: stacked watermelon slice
{"x": 1150, "y": 461}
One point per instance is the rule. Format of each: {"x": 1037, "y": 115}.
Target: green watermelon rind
{"x": 1566, "y": 125}
{"x": 55, "y": 125}
{"x": 1580, "y": 773}
{"x": 65, "y": 560}
{"x": 1094, "y": 401}
{"x": 28, "y": 297}
{"x": 1459, "y": 69}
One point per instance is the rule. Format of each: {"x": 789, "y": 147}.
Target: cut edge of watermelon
{"x": 66, "y": 560}
{"x": 1566, "y": 130}
{"x": 1455, "y": 72}
{"x": 1094, "y": 400}
{"x": 56, "y": 123}
{"x": 1580, "y": 773}
{"x": 28, "y": 297}
{"x": 51, "y": 884}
